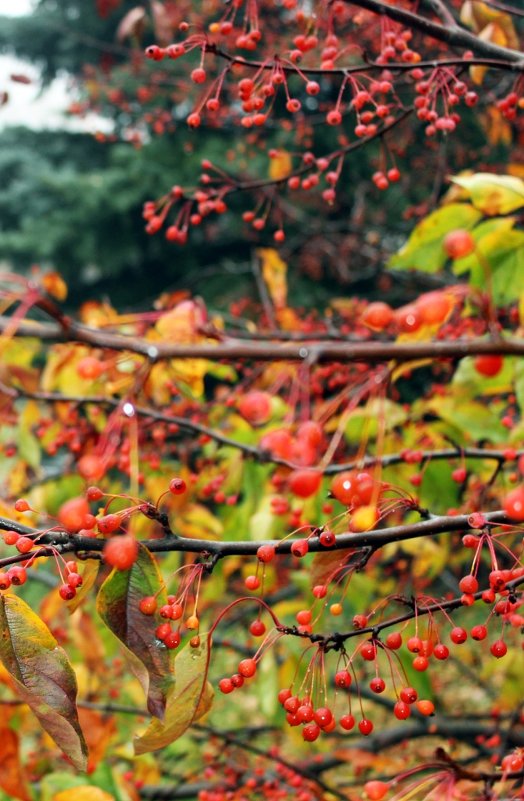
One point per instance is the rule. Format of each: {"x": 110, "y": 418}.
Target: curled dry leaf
{"x": 189, "y": 699}
{"x": 118, "y": 606}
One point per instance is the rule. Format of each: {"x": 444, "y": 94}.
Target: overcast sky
{"x": 27, "y": 104}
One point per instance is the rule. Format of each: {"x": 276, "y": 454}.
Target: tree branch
{"x": 451, "y": 34}
{"x": 238, "y": 349}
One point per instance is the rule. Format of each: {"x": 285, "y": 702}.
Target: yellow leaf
{"x": 190, "y": 373}
{"x": 498, "y": 129}
{"x": 183, "y": 323}
{"x": 493, "y": 194}
{"x": 479, "y": 15}
{"x": 494, "y": 33}
{"x": 274, "y": 273}
{"x": 196, "y": 521}
{"x": 86, "y": 792}
{"x": 280, "y": 166}
{"x": 188, "y": 700}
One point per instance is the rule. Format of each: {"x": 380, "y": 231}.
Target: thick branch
{"x": 238, "y": 349}
{"x": 370, "y": 539}
{"x": 451, "y": 34}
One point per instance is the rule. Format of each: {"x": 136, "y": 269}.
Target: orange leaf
{"x": 54, "y": 285}
{"x": 12, "y": 778}
{"x": 98, "y": 731}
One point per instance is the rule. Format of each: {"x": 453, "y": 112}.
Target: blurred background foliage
{"x": 73, "y": 202}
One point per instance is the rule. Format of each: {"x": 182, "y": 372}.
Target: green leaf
{"x": 493, "y": 194}
{"x": 189, "y": 699}
{"x": 498, "y": 263}
{"x": 467, "y": 378}
{"x": 43, "y": 676}
{"x": 474, "y": 420}
{"x": 118, "y": 606}
{"x": 366, "y": 418}
{"x": 423, "y": 250}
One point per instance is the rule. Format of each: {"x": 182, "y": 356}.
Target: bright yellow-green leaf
{"x": 189, "y": 699}
{"x": 497, "y": 265}
{"x": 43, "y": 676}
{"x": 423, "y": 250}
{"x": 493, "y": 194}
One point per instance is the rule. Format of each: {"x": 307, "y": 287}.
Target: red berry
{"x": 72, "y": 514}
{"x": 327, "y": 538}
{"x": 401, "y": 710}
{"x": 148, "y": 605}
{"x": 376, "y": 790}
{"x": 24, "y": 544}
{"x": 310, "y": 732}
{"x": 226, "y": 686}
{"x": 304, "y": 483}
{"x": 479, "y": 632}
{"x": 394, "y": 640}
{"x": 177, "y": 486}
{"x": 323, "y": 716}
{"x": 252, "y": 583}
{"x": 17, "y": 575}
{"x": 172, "y": 640}
{"x": 499, "y": 649}
{"x": 458, "y": 244}
{"x": 198, "y": 75}
{"x": 121, "y": 551}
{"x": 247, "y": 668}
{"x": 266, "y": 553}
{"x": 377, "y": 316}
{"x": 5, "y": 581}
{"x": 368, "y": 651}
{"x": 255, "y": 407}
{"x": 458, "y": 635}
{"x": 257, "y": 628}
{"x": 365, "y": 726}
{"x": 299, "y": 548}
{"x": 441, "y": 651}
{"x": 426, "y": 707}
{"x": 377, "y": 685}
{"x": 489, "y": 365}
{"x": 513, "y": 504}
{"x": 66, "y": 592}
{"x": 343, "y": 678}
{"x": 468, "y": 584}
{"x": 409, "y": 695}
{"x": 347, "y": 722}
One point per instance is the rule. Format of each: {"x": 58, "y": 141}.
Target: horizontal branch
{"x": 258, "y": 453}
{"x": 320, "y": 351}
{"x": 362, "y": 67}
{"x": 348, "y": 541}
